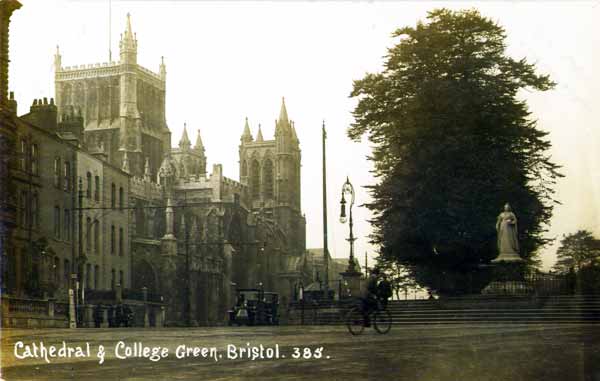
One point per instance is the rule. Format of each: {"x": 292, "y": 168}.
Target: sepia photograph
{"x": 299, "y": 190}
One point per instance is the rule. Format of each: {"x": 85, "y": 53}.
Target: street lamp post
{"x": 348, "y": 191}
{"x": 352, "y": 275}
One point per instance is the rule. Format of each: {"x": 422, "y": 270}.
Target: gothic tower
{"x": 123, "y": 107}
{"x": 191, "y": 161}
{"x": 130, "y": 139}
{"x": 271, "y": 171}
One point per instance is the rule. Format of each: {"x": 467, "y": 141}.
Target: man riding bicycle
{"x": 370, "y": 301}
{"x": 373, "y": 303}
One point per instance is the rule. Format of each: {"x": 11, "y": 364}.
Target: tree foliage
{"x": 576, "y": 251}
{"x": 400, "y": 277}
{"x": 452, "y": 143}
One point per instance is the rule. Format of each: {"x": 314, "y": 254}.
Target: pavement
{"x": 441, "y": 352}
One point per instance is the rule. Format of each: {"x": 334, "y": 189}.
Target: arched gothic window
{"x": 255, "y": 179}
{"x": 268, "y": 179}
{"x": 244, "y": 168}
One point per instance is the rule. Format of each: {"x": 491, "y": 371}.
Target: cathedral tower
{"x": 271, "y": 171}
{"x": 122, "y": 104}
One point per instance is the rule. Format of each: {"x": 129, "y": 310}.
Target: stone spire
{"x": 185, "y": 143}
{"x": 246, "y": 136}
{"x": 199, "y": 146}
{"x": 128, "y": 44}
{"x": 147, "y": 173}
{"x": 283, "y": 123}
{"x": 169, "y": 213}
{"x": 57, "y": 60}
{"x": 294, "y": 136}
{"x": 129, "y": 31}
{"x": 201, "y": 161}
{"x": 162, "y": 69}
{"x": 283, "y": 116}
{"x": 259, "y": 135}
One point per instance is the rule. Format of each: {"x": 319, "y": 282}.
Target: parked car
{"x": 254, "y": 307}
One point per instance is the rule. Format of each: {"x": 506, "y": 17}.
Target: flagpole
{"x": 109, "y": 31}
{"x": 325, "y": 248}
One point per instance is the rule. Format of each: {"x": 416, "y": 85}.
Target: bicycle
{"x": 380, "y": 318}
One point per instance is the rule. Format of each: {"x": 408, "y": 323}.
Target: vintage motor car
{"x": 254, "y": 307}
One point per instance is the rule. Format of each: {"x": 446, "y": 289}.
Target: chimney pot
{"x": 45, "y": 100}
{"x": 12, "y": 95}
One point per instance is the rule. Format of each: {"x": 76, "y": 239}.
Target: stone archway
{"x": 145, "y": 276}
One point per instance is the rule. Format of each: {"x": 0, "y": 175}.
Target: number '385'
{"x": 307, "y": 353}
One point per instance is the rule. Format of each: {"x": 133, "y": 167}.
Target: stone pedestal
{"x": 88, "y": 316}
{"x": 72, "y": 313}
{"x": 508, "y": 258}
{"x": 104, "y": 323}
{"x": 351, "y": 286}
{"x": 508, "y": 278}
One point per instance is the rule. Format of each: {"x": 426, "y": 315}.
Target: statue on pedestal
{"x": 508, "y": 243}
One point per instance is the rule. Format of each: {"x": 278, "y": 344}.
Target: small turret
{"x": 128, "y": 44}
{"x": 162, "y": 70}
{"x": 283, "y": 116}
{"x": 185, "y": 143}
{"x": 246, "y": 136}
{"x": 294, "y": 136}
{"x": 166, "y": 172}
{"x": 147, "y": 172}
{"x": 282, "y": 125}
{"x": 57, "y": 60}
{"x": 259, "y": 135}
{"x": 200, "y": 157}
{"x": 199, "y": 146}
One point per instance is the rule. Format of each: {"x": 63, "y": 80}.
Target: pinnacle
{"x": 185, "y": 141}
{"x": 259, "y": 135}
{"x": 199, "y": 145}
{"x": 129, "y": 30}
{"x": 247, "y": 135}
{"x": 283, "y": 116}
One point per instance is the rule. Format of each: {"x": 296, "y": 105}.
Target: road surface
{"x": 457, "y": 352}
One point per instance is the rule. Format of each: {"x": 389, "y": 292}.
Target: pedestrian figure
{"x": 120, "y": 315}
{"x": 128, "y": 315}
{"x": 98, "y": 315}
{"x": 111, "y": 316}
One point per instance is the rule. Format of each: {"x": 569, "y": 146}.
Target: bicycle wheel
{"x": 355, "y": 321}
{"x": 382, "y": 320}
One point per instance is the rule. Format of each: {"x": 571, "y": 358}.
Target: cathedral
{"x": 194, "y": 234}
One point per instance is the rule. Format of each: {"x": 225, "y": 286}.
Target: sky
{"x": 230, "y": 60}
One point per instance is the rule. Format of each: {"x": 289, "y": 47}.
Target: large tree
{"x": 576, "y": 251}
{"x": 452, "y": 143}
